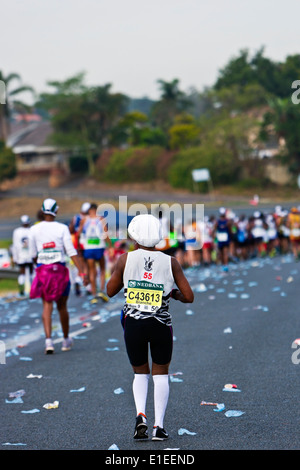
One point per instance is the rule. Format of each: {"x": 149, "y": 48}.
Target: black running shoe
{"x": 159, "y": 434}
{"x": 141, "y": 428}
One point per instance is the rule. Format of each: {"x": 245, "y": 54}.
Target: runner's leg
{"x": 161, "y": 392}
{"x": 63, "y": 315}
{"x": 46, "y": 317}
{"x": 102, "y": 273}
{"x": 92, "y": 275}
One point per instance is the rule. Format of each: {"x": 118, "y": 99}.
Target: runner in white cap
{"x": 74, "y": 229}
{"x": 50, "y": 241}
{"x": 148, "y": 277}
{"x": 94, "y": 235}
{"x": 21, "y": 255}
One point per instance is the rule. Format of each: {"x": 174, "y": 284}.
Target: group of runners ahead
{"x": 227, "y": 237}
{"x": 148, "y": 266}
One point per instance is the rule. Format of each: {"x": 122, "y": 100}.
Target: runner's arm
{"x": 184, "y": 292}
{"x": 115, "y": 283}
{"x": 80, "y": 266}
{"x": 105, "y": 229}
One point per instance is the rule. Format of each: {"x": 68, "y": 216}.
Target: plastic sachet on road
{"x": 219, "y": 406}
{"x": 113, "y": 447}
{"x": 175, "y": 379}
{"x": 34, "y": 410}
{"x": 14, "y": 444}
{"x": 14, "y": 400}
{"x": 233, "y": 413}
{"x": 51, "y": 406}
{"x": 227, "y": 330}
{"x": 189, "y": 312}
{"x": 16, "y": 397}
{"x": 182, "y": 431}
{"x": 230, "y": 388}
{"x": 17, "y": 394}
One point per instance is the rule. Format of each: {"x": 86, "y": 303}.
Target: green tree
{"x": 224, "y": 144}
{"x": 11, "y": 101}
{"x": 135, "y": 129}
{"x": 83, "y": 117}
{"x": 184, "y": 132}
{"x": 172, "y": 102}
{"x": 133, "y": 164}
{"x": 283, "y": 119}
{"x": 274, "y": 77}
{"x": 8, "y": 168}
{"x": 125, "y": 129}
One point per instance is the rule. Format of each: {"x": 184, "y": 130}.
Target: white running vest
{"x": 93, "y": 235}
{"x": 148, "y": 281}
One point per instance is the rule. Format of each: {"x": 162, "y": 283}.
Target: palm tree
{"x": 10, "y": 102}
{"x": 172, "y": 102}
{"x": 283, "y": 118}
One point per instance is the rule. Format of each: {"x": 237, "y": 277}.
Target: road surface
{"x": 240, "y": 330}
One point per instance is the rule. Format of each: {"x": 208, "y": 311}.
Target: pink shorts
{"x": 50, "y": 282}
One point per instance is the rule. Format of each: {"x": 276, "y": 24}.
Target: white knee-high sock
{"x": 140, "y": 391}
{"x": 161, "y": 397}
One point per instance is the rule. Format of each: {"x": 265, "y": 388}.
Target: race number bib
{"x": 93, "y": 241}
{"x": 144, "y": 295}
{"x": 222, "y": 236}
{"x": 295, "y": 232}
{"x": 49, "y": 257}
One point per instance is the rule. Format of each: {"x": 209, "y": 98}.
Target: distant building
{"x": 29, "y": 140}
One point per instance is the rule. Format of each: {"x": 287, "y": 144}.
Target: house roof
{"x": 31, "y": 135}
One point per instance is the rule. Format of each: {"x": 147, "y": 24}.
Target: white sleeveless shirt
{"x": 93, "y": 235}
{"x": 148, "y": 281}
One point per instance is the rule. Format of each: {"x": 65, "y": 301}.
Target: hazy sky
{"x": 131, "y": 43}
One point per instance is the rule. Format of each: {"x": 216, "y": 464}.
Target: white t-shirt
{"x": 205, "y": 230}
{"x": 148, "y": 281}
{"x": 20, "y": 245}
{"x": 50, "y": 242}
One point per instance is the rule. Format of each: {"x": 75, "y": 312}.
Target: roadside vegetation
{"x": 225, "y": 128}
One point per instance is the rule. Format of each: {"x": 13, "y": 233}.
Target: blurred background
{"x": 100, "y": 99}
{"x": 142, "y": 93}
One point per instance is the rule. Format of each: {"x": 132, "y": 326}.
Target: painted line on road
{"x": 75, "y": 333}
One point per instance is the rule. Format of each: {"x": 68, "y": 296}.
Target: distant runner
{"x": 21, "y": 255}
{"x": 75, "y": 235}
{"x": 293, "y": 223}
{"x": 148, "y": 277}
{"x": 222, "y": 229}
{"x": 50, "y": 241}
{"x": 94, "y": 236}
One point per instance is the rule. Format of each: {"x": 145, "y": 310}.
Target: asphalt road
{"x": 239, "y": 330}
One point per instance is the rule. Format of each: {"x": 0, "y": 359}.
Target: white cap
{"x": 50, "y": 207}
{"x": 85, "y": 207}
{"x": 222, "y": 210}
{"x": 145, "y": 230}
{"x": 25, "y": 219}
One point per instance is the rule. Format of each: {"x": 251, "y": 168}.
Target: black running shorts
{"x": 140, "y": 333}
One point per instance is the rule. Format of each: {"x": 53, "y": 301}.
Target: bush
{"x": 132, "y": 165}
{"x": 8, "y": 167}
{"x": 222, "y": 166}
